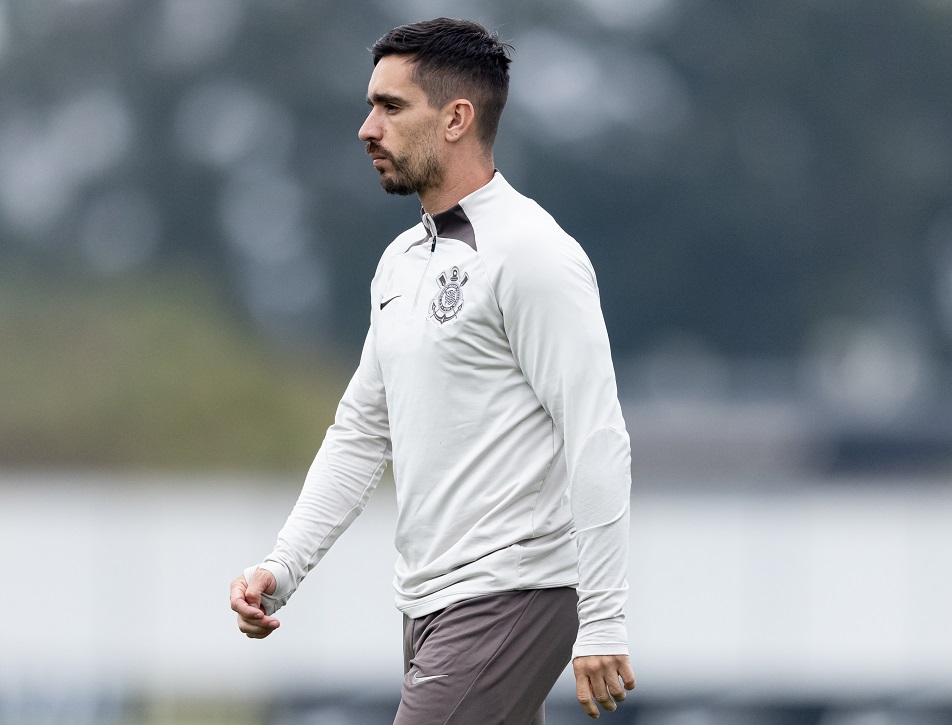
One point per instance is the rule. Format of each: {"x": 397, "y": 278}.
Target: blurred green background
{"x": 188, "y": 229}
{"x": 152, "y": 371}
{"x": 188, "y": 224}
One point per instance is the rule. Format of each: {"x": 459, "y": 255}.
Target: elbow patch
{"x": 602, "y": 482}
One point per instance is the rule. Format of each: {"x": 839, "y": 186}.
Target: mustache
{"x": 375, "y": 148}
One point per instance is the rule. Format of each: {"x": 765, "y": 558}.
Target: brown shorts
{"x": 490, "y": 660}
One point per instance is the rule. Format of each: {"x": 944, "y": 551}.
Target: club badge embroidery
{"x": 448, "y": 302}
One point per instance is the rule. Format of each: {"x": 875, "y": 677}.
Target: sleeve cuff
{"x": 608, "y": 648}
{"x": 602, "y": 637}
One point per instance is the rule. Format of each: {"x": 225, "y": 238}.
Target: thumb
{"x": 262, "y": 582}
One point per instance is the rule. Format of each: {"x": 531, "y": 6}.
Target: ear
{"x": 459, "y": 119}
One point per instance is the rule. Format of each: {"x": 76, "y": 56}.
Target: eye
{"x": 390, "y": 107}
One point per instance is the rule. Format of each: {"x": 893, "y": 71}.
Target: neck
{"x": 461, "y": 181}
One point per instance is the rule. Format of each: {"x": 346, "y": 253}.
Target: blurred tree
{"x": 738, "y": 171}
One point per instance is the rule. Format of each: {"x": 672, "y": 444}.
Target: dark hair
{"x": 455, "y": 59}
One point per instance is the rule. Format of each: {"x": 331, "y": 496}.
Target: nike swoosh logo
{"x": 417, "y": 679}
{"x": 387, "y": 302}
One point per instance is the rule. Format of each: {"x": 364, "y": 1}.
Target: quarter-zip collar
{"x": 453, "y": 223}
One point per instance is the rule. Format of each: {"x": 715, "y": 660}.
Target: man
{"x": 486, "y": 377}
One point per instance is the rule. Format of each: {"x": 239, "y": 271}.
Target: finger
{"x": 583, "y": 690}
{"x": 616, "y": 691}
{"x": 254, "y": 616}
{"x": 247, "y": 610}
{"x": 600, "y": 690}
{"x": 253, "y": 594}
{"x": 237, "y": 590}
{"x": 256, "y": 620}
{"x": 247, "y": 604}
{"x": 627, "y": 675}
{"x": 238, "y": 595}
{"x": 244, "y": 608}
{"x": 257, "y": 630}
{"x": 263, "y": 581}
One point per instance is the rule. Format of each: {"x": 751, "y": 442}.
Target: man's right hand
{"x": 246, "y": 601}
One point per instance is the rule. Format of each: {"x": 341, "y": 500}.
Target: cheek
{"x": 395, "y": 138}
{"x": 421, "y": 140}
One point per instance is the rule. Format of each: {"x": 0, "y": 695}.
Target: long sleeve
{"x": 550, "y": 304}
{"x": 338, "y": 485}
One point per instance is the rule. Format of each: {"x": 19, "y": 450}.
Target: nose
{"x": 370, "y": 130}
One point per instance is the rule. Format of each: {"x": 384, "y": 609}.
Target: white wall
{"x": 120, "y": 587}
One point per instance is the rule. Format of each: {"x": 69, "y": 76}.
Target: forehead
{"x": 392, "y": 77}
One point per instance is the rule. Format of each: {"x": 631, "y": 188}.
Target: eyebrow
{"x": 385, "y": 98}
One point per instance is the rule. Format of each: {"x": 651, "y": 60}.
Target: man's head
{"x": 454, "y": 59}
{"x": 438, "y": 88}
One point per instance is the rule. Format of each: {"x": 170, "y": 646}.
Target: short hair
{"x": 455, "y": 59}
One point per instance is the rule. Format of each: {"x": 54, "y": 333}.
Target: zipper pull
{"x": 430, "y": 227}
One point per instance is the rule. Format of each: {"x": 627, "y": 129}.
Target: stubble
{"x": 415, "y": 172}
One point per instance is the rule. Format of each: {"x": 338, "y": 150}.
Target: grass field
{"x": 151, "y": 373}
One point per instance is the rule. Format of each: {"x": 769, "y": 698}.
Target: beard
{"x": 410, "y": 174}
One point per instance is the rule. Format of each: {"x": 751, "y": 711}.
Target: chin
{"x": 394, "y": 186}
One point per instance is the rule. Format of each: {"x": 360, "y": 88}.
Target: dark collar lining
{"x": 452, "y": 224}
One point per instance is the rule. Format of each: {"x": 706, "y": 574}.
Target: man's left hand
{"x": 597, "y": 680}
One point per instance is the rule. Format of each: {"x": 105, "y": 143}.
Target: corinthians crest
{"x": 448, "y": 302}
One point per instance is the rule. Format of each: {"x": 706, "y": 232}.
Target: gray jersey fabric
{"x": 487, "y": 377}
{"x": 489, "y": 660}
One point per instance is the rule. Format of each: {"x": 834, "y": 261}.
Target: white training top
{"x": 487, "y": 377}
